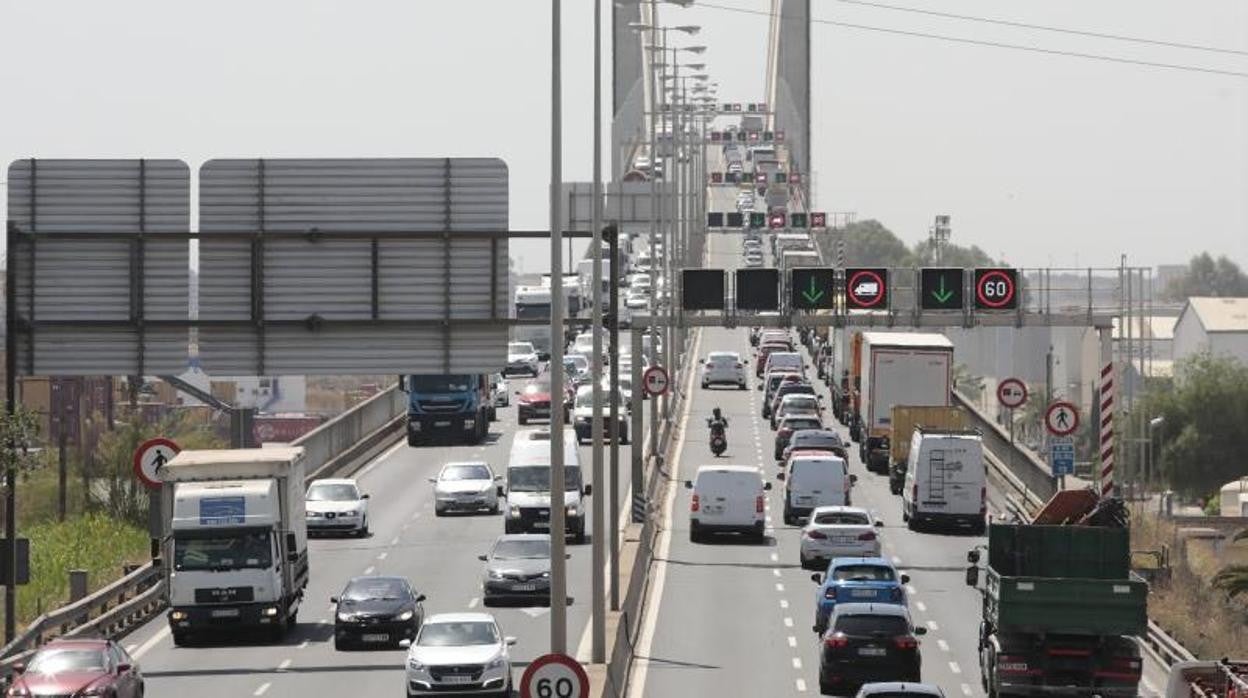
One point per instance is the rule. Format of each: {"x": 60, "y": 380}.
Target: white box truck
{"x": 236, "y": 541}
{"x": 946, "y": 481}
{"x": 914, "y": 369}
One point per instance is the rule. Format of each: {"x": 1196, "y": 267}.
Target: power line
{"x": 1042, "y": 27}
{"x": 994, "y": 44}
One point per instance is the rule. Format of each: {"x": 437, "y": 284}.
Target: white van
{"x": 784, "y": 361}
{"x": 528, "y": 484}
{"x": 815, "y": 481}
{"x": 728, "y": 499}
{"x": 946, "y": 481}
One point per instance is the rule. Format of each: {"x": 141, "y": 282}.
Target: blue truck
{"x": 457, "y": 406}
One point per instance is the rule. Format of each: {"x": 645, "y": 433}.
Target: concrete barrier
{"x": 354, "y": 434}
{"x": 1024, "y": 465}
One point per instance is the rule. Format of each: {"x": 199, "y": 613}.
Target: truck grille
{"x": 439, "y": 406}
{"x": 225, "y": 595}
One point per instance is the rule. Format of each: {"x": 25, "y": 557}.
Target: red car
{"x": 93, "y": 667}
{"x": 533, "y": 401}
{"x": 764, "y": 351}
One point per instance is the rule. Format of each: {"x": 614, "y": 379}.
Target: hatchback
{"x": 376, "y": 612}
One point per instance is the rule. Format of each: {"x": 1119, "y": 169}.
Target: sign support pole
{"x": 558, "y": 523}
{"x": 10, "y": 409}
{"x": 598, "y": 592}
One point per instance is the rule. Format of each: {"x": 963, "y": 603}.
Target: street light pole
{"x": 654, "y": 223}
{"x": 598, "y": 591}
{"x": 558, "y": 523}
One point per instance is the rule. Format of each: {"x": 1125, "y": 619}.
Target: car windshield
{"x": 519, "y": 348}
{"x": 535, "y": 549}
{"x": 375, "y": 588}
{"x": 238, "y": 549}
{"x": 326, "y": 492}
{"x": 585, "y": 398}
{"x": 816, "y": 439}
{"x": 439, "y": 384}
{"x": 872, "y": 625}
{"x": 863, "y": 573}
{"x": 457, "y": 634}
{"x": 465, "y": 472}
{"x": 723, "y": 358}
{"x": 536, "y": 478}
{"x": 800, "y": 404}
{"x": 580, "y": 364}
{"x": 802, "y": 424}
{"x": 843, "y": 518}
{"x": 541, "y": 385}
{"x": 59, "y": 661}
{"x": 902, "y": 694}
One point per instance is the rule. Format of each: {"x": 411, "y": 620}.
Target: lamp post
{"x": 1153, "y": 424}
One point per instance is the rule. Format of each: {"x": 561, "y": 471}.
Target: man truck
{"x": 236, "y": 541}
{"x": 1060, "y": 610}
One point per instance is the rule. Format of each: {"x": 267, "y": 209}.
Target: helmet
{"x": 716, "y": 413}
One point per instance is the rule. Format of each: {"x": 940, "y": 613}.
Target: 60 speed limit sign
{"x": 554, "y": 676}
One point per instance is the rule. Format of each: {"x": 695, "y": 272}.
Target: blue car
{"x": 856, "y": 580}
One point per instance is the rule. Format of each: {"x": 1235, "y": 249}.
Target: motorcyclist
{"x": 718, "y": 423}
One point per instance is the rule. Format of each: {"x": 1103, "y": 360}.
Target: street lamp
{"x": 1153, "y": 424}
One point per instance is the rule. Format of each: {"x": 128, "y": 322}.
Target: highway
{"x": 438, "y": 555}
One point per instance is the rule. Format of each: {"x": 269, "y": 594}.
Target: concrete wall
{"x": 1189, "y": 337}
{"x": 335, "y": 440}
{"x": 792, "y": 98}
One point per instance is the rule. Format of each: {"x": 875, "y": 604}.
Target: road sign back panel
{"x": 758, "y": 289}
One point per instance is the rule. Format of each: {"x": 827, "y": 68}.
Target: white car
{"x": 336, "y": 506}
{"x": 522, "y": 358}
{"x": 637, "y": 300}
{"x": 754, "y": 260}
{"x": 463, "y": 653}
{"x": 836, "y": 531}
{"x": 722, "y": 367}
{"x": 502, "y": 395}
{"x": 583, "y": 414}
{"x": 465, "y": 487}
{"x": 897, "y": 689}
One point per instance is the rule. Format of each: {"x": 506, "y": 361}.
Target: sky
{"x": 1040, "y": 159}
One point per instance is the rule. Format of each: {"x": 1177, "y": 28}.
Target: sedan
{"x": 65, "y": 667}
{"x": 754, "y": 260}
{"x": 376, "y": 612}
{"x": 460, "y": 653}
{"x": 722, "y": 367}
{"x": 501, "y": 391}
{"x": 517, "y": 569}
{"x": 637, "y": 300}
{"x": 816, "y": 440}
{"x": 534, "y": 400}
{"x": 788, "y": 425}
{"x": 837, "y": 531}
{"x": 336, "y": 505}
{"x": 465, "y": 487}
{"x": 794, "y": 404}
{"x": 868, "y": 642}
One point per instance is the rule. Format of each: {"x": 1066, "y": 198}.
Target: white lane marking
{"x": 285, "y": 664}
{"x": 953, "y": 666}
{"x": 304, "y": 645}
{"x": 921, "y": 606}
{"x": 263, "y": 687}
{"x": 151, "y": 642}
{"x": 784, "y": 603}
{"x": 896, "y": 560}
{"x": 130, "y": 648}
{"x": 801, "y": 685}
{"x": 966, "y": 689}
{"x": 779, "y": 586}
{"x": 792, "y": 641}
{"x": 382, "y": 556}
{"x": 369, "y": 570}
{"x": 944, "y": 646}
{"x": 911, "y": 590}
{"x": 637, "y": 687}
{"x": 788, "y": 622}
{"x": 535, "y": 612}
{"x": 405, "y": 527}
{"x": 775, "y": 572}
{"x": 931, "y": 625}
{"x": 797, "y": 662}
{"x": 473, "y": 603}
{"x": 775, "y": 557}
{"x": 394, "y": 541}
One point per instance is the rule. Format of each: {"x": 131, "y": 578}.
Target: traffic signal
{"x": 702, "y": 289}
{"x": 811, "y": 288}
{"x": 776, "y": 221}
{"x": 866, "y": 289}
{"x": 758, "y": 219}
{"x": 779, "y": 136}
{"x": 996, "y": 289}
{"x": 768, "y": 136}
{"x": 797, "y": 220}
{"x": 758, "y": 289}
{"x": 717, "y": 178}
{"x": 940, "y": 289}
{"x": 736, "y": 219}
{"x": 714, "y": 220}
{"x": 818, "y": 219}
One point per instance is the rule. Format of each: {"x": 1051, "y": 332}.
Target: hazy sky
{"x": 1044, "y": 159}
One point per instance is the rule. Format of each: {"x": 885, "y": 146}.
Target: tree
{"x": 1206, "y": 276}
{"x": 952, "y": 255}
{"x": 869, "y": 243}
{"x": 21, "y": 429}
{"x": 1202, "y": 439}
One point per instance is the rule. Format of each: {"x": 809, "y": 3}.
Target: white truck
{"x": 945, "y": 481}
{"x": 236, "y": 541}
{"x": 914, "y": 369}
{"x": 585, "y": 270}
{"x": 533, "y": 303}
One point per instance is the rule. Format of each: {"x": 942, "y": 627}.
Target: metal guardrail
{"x": 122, "y": 605}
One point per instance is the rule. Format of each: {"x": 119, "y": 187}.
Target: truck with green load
{"x": 1060, "y": 611}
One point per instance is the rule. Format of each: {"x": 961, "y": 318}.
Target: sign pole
{"x": 10, "y": 410}
{"x": 598, "y": 591}
{"x": 558, "y": 564}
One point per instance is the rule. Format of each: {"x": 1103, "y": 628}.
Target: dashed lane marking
{"x": 369, "y": 570}
{"x": 382, "y": 556}
{"x": 931, "y": 625}
{"x": 779, "y": 586}
{"x": 304, "y": 645}
{"x": 792, "y": 641}
{"x": 800, "y": 685}
{"x": 784, "y": 603}
{"x": 263, "y": 688}
{"x": 921, "y": 606}
{"x": 473, "y": 603}
{"x": 966, "y": 689}
{"x": 953, "y": 666}
{"x": 797, "y": 662}
{"x": 284, "y": 665}
{"x": 788, "y": 622}
{"x": 944, "y": 646}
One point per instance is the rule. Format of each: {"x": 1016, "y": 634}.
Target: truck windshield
{"x": 533, "y": 311}
{"x": 536, "y": 478}
{"x": 439, "y": 384}
{"x": 222, "y": 550}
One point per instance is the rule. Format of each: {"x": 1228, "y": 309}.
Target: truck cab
{"x": 459, "y": 406}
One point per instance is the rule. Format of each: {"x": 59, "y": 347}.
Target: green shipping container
{"x": 1064, "y": 605}
{"x": 1082, "y": 552}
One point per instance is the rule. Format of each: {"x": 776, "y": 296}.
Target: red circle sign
{"x": 150, "y": 457}
{"x": 1012, "y": 393}
{"x": 1002, "y": 295}
{"x": 865, "y": 277}
{"x": 1062, "y": 418}
{"x": 554, "y": 676}
{"x": 655, "y": 381}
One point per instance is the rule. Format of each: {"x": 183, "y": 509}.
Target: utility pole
{"x": 558, "y": 523}
{"x": 939, "y": 235}
{"x": 598, "y": 592}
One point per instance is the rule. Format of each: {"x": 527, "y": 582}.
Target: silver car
{"x": 470, "y": 486}
{"x": 517, "y": 569}
{"x": 460, "y": 653}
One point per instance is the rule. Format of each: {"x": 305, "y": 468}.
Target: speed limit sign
{"x": 554, "y": 676}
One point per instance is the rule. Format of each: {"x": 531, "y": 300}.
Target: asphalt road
{"x": 438, "y": 555}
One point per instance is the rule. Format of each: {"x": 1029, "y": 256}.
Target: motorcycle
{"x": 719, "y": 438}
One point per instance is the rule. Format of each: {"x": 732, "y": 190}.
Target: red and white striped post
{"x": 1107, "y": 429}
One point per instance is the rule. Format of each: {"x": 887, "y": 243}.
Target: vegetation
{"x": 1201, "y": 440}
{"x": 870, "y": 243}
{"x": 1207, "y": 276}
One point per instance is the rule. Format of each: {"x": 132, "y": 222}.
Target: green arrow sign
{"x": 814, "y": 293}
{"x": 942, "y": 295}
{"x": 810, "y": 288}
{"x": 941, "y": 288}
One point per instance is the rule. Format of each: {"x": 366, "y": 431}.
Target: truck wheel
{"x": 624, "y": 437}
{"x": 182, "y": 639}
{"x": 413, "y": 440}
{"x": 523, "y": 419}
{"x": 493, "y": 414}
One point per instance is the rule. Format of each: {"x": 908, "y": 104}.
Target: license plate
{"x": 845, "y": 540}
{"x": 441, "y": 424}
{"x": 805, "y": 500}
{"x": 375, "y": 637}
{"x": 225, "y": 613}
{"x": 524, "y": 587}
{"x": 541, "y": 524}
{"x": 712, "y": 509}
{"x": 455, "y": 678}
{"x": 862, "y": 593}
{"x": 872, "y": 651}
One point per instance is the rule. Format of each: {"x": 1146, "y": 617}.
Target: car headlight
{"x": 406, "y": 615}
{"x": 350, "y": 512}
{"x": 98, "y": 690}
{"x": 415, "y": 665}
{"x": 495, "y": 574}
{"x": 545, "y": 575}
{"x": 513, "y": 511}
{"x": 344, "y": 617}
{"x": 313, "y": 514}
{"x": 495, "y": 663}
{"x": 573, "y": 510}
{"x": 18, "y": 693}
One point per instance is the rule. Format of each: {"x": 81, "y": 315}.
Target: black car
{"x": 517, "y": 569}
{"x": 377, "y": 612}
{"x": 868, "y": 643}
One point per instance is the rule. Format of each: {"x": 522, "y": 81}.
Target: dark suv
{"x": 868, "y": 643}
